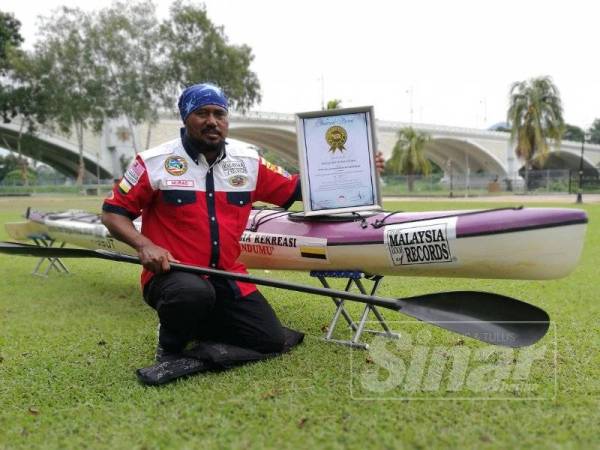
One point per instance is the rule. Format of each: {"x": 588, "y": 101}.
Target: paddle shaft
{"x": 484, "y": 316}
{"x": 389, "y": 303}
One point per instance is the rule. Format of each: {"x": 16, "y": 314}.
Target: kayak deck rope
{"x": 273, "y": 214}
{"x": 381, "y": 222}
{"x": 258, "y": 221}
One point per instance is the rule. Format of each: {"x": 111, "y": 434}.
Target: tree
{"x": 535, "y": 115}
{"x": 20, "y": 93}
{"x": 335, "y": 103}
{"x": 407, "y": 155}
{"x": 595, "y": 132}
{"x": 10, "y": 36}
{"x": 10, "y": 39}
{"x": 124, "y": 40}
{"x": 9, "y": 163}
{"x": 196, "y": 50}
{"x": 573, "y": 133}
{"x": 77, "y": 85}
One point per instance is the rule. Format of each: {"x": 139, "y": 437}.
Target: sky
{"x": 427, "y": 61}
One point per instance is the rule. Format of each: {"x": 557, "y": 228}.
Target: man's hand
{"x": 379, "y": 162}
{"x": 155, "y": 259}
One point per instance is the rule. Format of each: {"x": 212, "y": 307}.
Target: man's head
{"x": 203, "y": 109}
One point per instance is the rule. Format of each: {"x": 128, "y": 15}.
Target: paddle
{"x": 488, "y": 317}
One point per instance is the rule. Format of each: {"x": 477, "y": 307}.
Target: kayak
{"x": 504, "y": 243}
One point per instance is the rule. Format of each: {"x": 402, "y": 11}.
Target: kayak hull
{"x": 506, "y": 243}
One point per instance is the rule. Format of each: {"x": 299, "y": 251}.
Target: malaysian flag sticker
{"x": 311, "y": 251}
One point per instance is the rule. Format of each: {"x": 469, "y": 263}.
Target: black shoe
{"x": 163, "y": 355}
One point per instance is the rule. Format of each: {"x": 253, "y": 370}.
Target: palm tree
{"x": 407, "y": 155}
{"x": 535, "y": 115}
{"x": 335, "y": 103}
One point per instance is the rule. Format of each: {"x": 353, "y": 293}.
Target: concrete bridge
{"x": 468, "y": 150}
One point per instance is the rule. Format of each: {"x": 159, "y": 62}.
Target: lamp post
{"x": 450, "y": 172}
{"x": 585, "y": 137}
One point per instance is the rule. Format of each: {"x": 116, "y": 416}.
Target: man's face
{"x": 209, "y": 124}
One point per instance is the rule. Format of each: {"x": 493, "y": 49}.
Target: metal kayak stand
{"x": 358, "y": 328}
{"x": 53, "y": 262}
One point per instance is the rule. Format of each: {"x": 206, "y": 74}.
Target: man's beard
{"x": 208, "y": 147}
{"x": 203, "y": 146}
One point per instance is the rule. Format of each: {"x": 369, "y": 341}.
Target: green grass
{"x": 69, "y": 345}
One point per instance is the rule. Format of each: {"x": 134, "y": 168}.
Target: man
{"x": 195, "y": 195}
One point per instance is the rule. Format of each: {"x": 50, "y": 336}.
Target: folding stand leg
{"x": 357, "y": 328}
{"x": 53, "y": 262}
{"x": 339, "y": 303}
{"x": 368, "y": 308}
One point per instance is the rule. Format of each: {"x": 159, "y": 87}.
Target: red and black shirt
{"x": 196, "y": 211}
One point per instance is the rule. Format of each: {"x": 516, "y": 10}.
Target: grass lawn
{"x": 69, "y": 345}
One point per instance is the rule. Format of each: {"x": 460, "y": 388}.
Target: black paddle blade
{"x": 492, "y": 318}
{"x": 485, "y": 316}
{"x": 13, "y": 248}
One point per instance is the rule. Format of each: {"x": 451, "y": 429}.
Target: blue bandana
{"x": 200, "y": 95}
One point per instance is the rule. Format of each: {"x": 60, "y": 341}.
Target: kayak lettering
{"x": 427, "y": 242}
{"x": 269, "y": 239}
{"x": 283, "y": 246}
{"x": 258, "y": 249}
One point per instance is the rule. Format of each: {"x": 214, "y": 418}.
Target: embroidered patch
{"x": 238, "y": 180}
{"x": 277, "y": 169}
{"x": 233, "y": 167}
{"x": 124, "y": 186}
{"x": 180, "y": 183}
{"x": 135, "y": 171}
{"x": 176, "y": 165}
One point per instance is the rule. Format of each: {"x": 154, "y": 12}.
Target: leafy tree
{"x": 10, "y": 36}
{"x": 407, "y": 155}
{"x": 535, "y": 115}
{"x": 595, "y": 132}
{"x": 124, "y": 40}
{"x": 573, "y": 133}
{"x": 335, "y": 103}
{"x": 20, "y": 93}
{"x": 77, "y": 85}
{"x": 9, "y": 163}
{"x": 15, "y": 176}
{"x": 195, "y": 50}
{"x": 10, "y": 39}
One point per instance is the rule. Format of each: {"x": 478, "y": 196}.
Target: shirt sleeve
{"x": 275, "y": 185}
{"x": 133, "y": 192}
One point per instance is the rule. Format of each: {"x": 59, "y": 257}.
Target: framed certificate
{"x": 336, "y": 150}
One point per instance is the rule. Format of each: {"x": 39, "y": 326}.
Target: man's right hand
{"x": 155, "y": 259}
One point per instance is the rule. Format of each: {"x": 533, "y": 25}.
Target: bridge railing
{"x": 484, "y": 184}
{"x": 436, "y": 185}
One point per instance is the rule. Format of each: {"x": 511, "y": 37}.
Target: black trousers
{"x": 190, "y": 307}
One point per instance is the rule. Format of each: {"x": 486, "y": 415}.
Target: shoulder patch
{"x": 274, "y": 168}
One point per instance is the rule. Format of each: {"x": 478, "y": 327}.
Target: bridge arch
{"x": 58, "y": 153}
{"x": 479, "y": 150}
{"x": 567, "y": 160}
{"x": 278, "y": 139}
{"x": 463, "y": 154}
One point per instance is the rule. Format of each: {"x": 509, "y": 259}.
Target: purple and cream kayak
{"x": 509, "y": 243}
